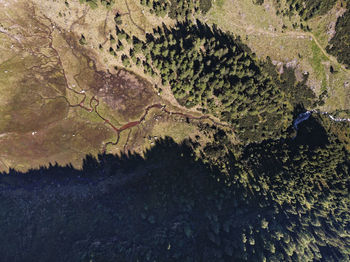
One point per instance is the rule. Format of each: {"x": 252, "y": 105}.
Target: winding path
{"x": 250, "y": 29}
{"x": 94, "y": 102}
{"x": 132, "y": 20}
{"x": 162, "y": 107}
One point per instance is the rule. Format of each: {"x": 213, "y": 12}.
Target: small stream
{"x": 305, "y": 116}
{"x": 301, "y": 118}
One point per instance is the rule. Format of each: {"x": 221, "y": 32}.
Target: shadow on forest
{"x": 310, "y": 132}
{"x": 167, "y": 206}
{"x": 114, "y": 209}
{"x": 163, "y": 154}
{"x": 310, "y": 136}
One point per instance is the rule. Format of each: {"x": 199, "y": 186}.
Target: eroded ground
{"x": 36, "y": 122}
{"x": 60, "y": 100}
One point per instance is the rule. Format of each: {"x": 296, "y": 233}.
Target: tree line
{"x": 305, "y": 9}
{"x": 215, "y": 72}
{"x": 179, "y": 10}
{"x": 95, "y": 3}
{"x": 280, "y": 200}
{"x": 339, "y": 45}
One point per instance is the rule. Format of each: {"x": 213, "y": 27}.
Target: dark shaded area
{"x": 258, "y": 2}
{"x": 95, "y": 3}
{"x": 280, "y": 200}
{"x": 307, "y": 8}
{"x": 213, "y": 69}
{"x": 298, "y": 93}
{"x": 339, "y": 45}
{"x": 311, "y": 133}
{"x": 204, "y": 6}
{"x": 179, "y": 10}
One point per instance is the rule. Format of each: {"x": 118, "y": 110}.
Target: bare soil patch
{"x": 124, "y": 92}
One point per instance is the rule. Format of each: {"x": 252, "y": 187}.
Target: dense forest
{"x": 280, "y": 200}
{"x": 306, "y": 9}
{"x": 95, "y": 3}
{"x": 282, "y": 194}
{"x": 179, "y": 10}
{"x": 339, "y": 45}
{"x": 214, "y": 72}
{"x": 297, "y": 93}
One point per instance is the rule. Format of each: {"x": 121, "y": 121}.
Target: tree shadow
{"x": 165, "y": 206}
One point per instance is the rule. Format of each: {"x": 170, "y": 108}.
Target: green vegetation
{"x": 211, "y": 69}
{"x": 180, "y": 10}
{"x": 307, "y": 9}
{"x": 158, "y": 7}
{"x": 339, "y": 45}
{"x": 258, "y": 2}
{"x": 82, "y": 40}
{"x": 118, "y": 19}
{"x": 299, "y": 179}
{"x": 305, "y": 177}
{"x": 298, "y": 93}
{"x": 250, "y": 188}
{"x": 279, "y": 200}
{"x": 205, "y": 5}
{"x": 316, "y": 62}
{"x": 94, "y": 3}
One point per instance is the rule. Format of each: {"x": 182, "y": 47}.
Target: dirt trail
{"x": 132, "y": 20}
{"x": 161, "y": 107}
{"x": 250, "y": 29}
{"x": 94, "y": 102}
